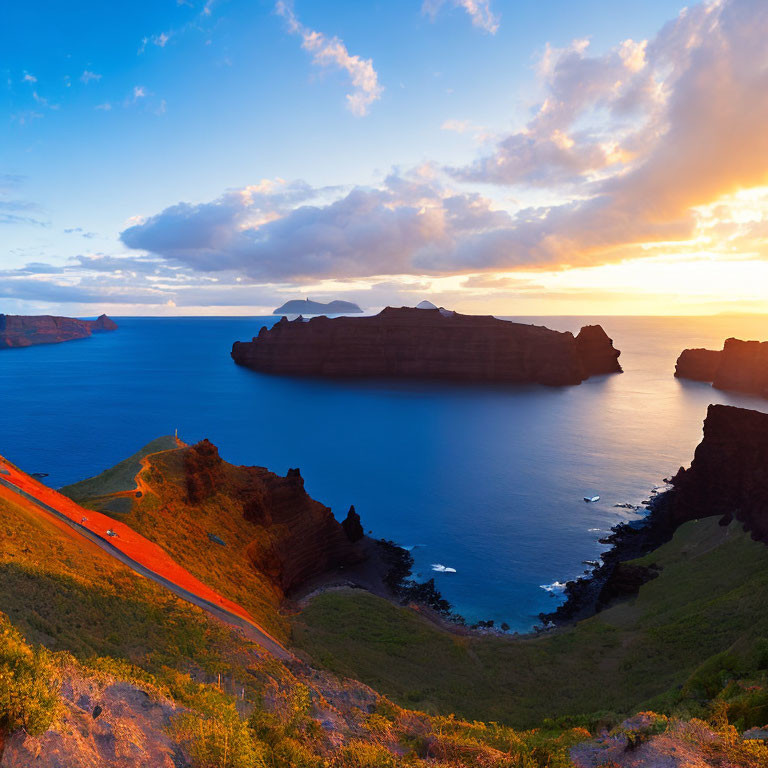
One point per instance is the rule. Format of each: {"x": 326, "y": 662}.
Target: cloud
{"x": 478, "y": 10}
{"x": 88, "y": 77}
{"x": 29, "y": 78}
{"x": 266, "y": 234}
{"x": 331, "y": 52}
{"x": 159, "y": 40}
{"x": 699, "y": 93}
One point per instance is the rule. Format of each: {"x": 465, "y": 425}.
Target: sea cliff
{"x": 729, "y": 473}
{"x": 741, "y": 366}
{"x": 430, "y": 343}
{"x": 28, "y": 330}
{"x": 728, "y": 478}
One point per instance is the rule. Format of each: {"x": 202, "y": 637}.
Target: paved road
{"x": 65, "y": 510}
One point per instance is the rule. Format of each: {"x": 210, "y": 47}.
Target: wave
{"x": 440, "y": 568}
{"x": 555, "y": 586}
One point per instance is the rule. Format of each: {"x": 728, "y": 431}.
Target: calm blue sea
{"x": 488, "y": 480}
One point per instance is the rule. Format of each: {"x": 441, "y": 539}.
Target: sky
{"x": 185, "y": 157}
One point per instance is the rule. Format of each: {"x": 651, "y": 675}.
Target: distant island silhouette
{"x": 307, "y": 307}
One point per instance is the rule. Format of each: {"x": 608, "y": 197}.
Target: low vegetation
{"x": 693, "y": 647}
{"x": 663, "y": 650}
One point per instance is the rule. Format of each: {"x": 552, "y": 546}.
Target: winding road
{"x": 130, "y": 548}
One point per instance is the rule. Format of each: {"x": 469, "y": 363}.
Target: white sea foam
{"x": 440, "y": 568}
{"x": 555, "y": 586}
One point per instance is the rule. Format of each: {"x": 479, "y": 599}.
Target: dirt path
{"x": 135, "y": 551}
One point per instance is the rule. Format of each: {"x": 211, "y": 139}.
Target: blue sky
{"x": 113, "y": 114}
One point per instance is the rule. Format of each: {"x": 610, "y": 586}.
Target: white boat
{"x": 591, "y": 498}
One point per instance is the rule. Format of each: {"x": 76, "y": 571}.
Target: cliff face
{"x": 25, "y": 331}
{"x": 729, "y": 472}
{"x": 291, "y": 536}
{"x": 741, "y": 366}
{"x": 428, "y": 343}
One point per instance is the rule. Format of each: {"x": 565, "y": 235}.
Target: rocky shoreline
{"x": 613, "y": 578}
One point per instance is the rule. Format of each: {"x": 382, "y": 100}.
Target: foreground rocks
{"x": 648, "y": 740}
{"x": 741, "y": 366}
{"x": 26, "y": 331}
{"x": 430, "y": 343}
{"x": 102, "y": 723}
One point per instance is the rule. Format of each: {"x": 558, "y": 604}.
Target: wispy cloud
{"x": 478, "y": 10}
{"x": 29, "y": 78}
{"x": 89, "y": 77}
{"x": 331, "y": 52}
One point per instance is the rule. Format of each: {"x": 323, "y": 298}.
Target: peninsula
{"x": 430, "y": 343}
{"x": 307, "y": 307}
{"x": 741, "y": 366}
{"x": 28, "y": 330}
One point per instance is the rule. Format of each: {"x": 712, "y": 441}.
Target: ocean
{"x": 486, "y": 480}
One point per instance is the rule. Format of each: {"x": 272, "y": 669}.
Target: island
{"x": 429, "y": 343}
{"x": 307, "y": 307}
{"x": 29, "y": 330}
{"x": 741, "y": 366}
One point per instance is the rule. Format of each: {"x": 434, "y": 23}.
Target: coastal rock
{"x": 428, "y": 343}
{"x": 352, "y": 525}
{"x": 28, "y": 330}
{"x": 293, "y": 538}
{"x": 698, "y": 364}
{"x": 729, "y": 473}
{"x": 741, "y": 366}
{"x": 596, "y": 351}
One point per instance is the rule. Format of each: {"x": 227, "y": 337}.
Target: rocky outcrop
{"x": 26, "y": 331}
{"x": 741, "y": 366}
{"x": 103, "y": 722}
{"x": 429, "y": 343}
{"x": 728, "y": 478}
{"x": 596, "y": 351}
{"x": 352, "y": 525}
{"x": 698, "y": 364}
{"x": 307, "y": 307}
{"x": 729, "y": 473}
{"x": 292, "y": 536}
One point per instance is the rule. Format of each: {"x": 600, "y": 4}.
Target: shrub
{"x": 222, "y": 741}
{"x": 29, "y": 684}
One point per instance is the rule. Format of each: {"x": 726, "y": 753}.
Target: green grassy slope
{"x": 711, "y": 596}
{"x": 121, "y": 476}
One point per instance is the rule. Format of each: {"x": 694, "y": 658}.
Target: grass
{"x": 70, "y": 596}
{"x": 164, "y": 516}
{"x": 119, "y": 478}
{"x": 711, "y": 596}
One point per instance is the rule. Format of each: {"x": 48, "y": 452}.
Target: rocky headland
{"x": 28, "y": 330}
{"x": 430, "y": 343}
{"x": 728, "y": 478}
{"x": 741, "y": 366}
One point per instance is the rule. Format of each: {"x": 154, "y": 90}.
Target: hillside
{"x": 100, "y": 667}
{"x": 245, "y": 531}
{"x": 113, "y": 669}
